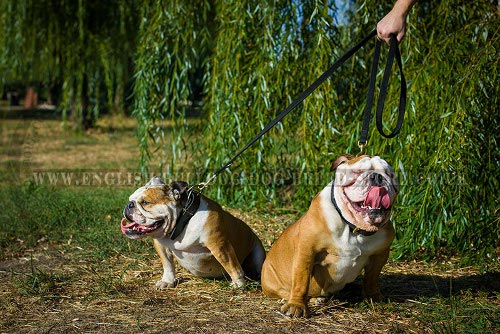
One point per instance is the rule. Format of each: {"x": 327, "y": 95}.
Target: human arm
{"x": 395, "y": 21}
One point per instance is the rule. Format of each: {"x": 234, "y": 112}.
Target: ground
{"x": 87, "y": 297}
{"x": 59, "y": 285}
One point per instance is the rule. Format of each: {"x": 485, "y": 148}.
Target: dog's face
{"x": 365, "y": 189}
{"x": 152, "y": 210}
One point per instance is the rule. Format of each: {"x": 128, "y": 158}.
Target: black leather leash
{"x": 393, "y": 54}
{"x": 295, "y": 103}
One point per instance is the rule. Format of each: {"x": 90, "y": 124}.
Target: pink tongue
{"x": 125, "y": 226}
{"x": 377, "y": 198}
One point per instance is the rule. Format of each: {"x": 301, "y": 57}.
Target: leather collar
{"x": 188, "y": 211}
{"x": 354, "y": 229}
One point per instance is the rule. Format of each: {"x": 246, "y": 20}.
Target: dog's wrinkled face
{"x": 365, "y": 189}
{"x": 152, "y": 210}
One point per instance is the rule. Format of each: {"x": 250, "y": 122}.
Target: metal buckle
{"x": 362, "y": 147}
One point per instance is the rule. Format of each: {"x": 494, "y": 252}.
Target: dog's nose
{"x": 376, "y": 179}
{"x": 130, "y": 205}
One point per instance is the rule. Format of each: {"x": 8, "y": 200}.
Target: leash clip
{"x": 203, "y": 185}
{"x": 362, "y": 147}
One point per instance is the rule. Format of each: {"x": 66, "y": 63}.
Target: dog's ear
{"x": 340, "y": 160}
{"x": 179, "y": 190}
{"x": 155, "y": 182}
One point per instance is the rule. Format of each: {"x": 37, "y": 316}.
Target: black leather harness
{"x": 188, "y": 211}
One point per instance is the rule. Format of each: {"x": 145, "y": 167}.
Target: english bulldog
{"x": 345, "y": 230}
{"x": 204, "y": 239}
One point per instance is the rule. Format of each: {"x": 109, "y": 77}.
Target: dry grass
{"x": 57, "y": 287}
{"x": 49, "y": 145}
{"x": 119, "y": 297}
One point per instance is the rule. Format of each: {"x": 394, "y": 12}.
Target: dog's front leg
{"x": 301, "y": 274}
{"x": 371, "y": 287}
{"x": 167, "y": 261}
{"x": 224, "y": 252}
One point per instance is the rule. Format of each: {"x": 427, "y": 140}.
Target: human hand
{"x": 394, "y": 23}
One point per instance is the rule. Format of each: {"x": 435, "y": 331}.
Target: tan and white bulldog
{"x": 211, "y": 244}
{"x": 345, "y": 230}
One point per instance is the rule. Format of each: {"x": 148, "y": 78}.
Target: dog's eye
{"x": 144, "y": 202}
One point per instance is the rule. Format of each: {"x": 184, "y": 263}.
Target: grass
{"x": 65, "y": 267}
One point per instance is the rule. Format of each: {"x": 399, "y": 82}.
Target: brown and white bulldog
{"x": 345, "y": 230}
{"x": 210, "y": 244}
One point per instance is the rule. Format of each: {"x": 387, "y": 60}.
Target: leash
{"x": 393, "y": 53}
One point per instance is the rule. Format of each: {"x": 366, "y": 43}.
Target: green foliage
{"x": 450, "y": 153}
{"x": 81, "y": 51}
{"x": 171, "y": 65}
{"x": 88, "y": 219}
{"x": 257, "y": 75}
{"x": 261, "y": 56}
{"x": 448, "y": 315}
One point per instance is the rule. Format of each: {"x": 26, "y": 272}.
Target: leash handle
{"x": 369, "y": 99}
{"x": 393, "y": 54}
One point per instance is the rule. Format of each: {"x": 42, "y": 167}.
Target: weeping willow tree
{"x": 247, "y": 61}
{"x": 449, "y": 155}
{"x": 81, "y": 51}
{"x": 174, "y": 47}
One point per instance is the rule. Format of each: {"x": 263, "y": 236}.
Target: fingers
{"x": 391, "y": 24}
{"x": 386, "y": 36}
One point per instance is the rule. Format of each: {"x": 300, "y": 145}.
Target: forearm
{"x": 403, "y": 7}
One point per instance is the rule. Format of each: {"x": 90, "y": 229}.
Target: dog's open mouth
{"x": 135, "y": 229}
{"x": 376, "y": 202}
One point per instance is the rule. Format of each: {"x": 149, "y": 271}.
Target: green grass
{"x": 88, "y": 218}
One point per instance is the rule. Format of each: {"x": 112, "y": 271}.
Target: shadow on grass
{"x": 21, "y": 113}
{"x": 402, "y": 287}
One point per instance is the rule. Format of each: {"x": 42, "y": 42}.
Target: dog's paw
{"x": 238, "y": 283}
{"x": 294, "y": 310}
{"x": 161, "y": 285}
